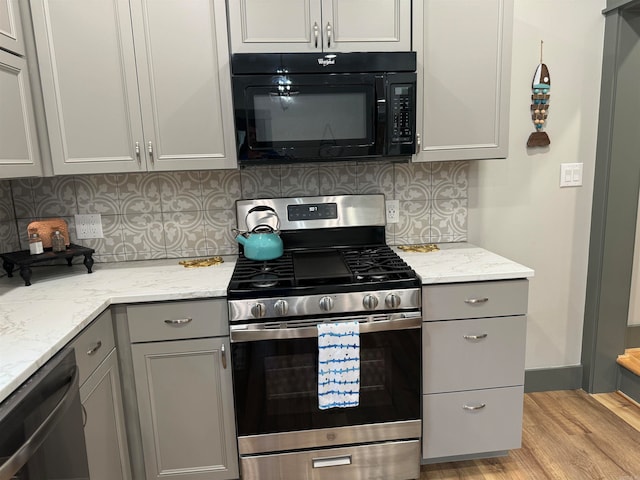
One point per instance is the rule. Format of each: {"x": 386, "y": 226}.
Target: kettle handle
{"x": 262, "y": 208}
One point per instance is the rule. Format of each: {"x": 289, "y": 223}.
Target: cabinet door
{"x": 104, "y": 428}
{"x": 10, "y": 28}
{"x": 19, "y": 153}
{"x": 185, "y": 402}
{"x": 275, "y": 26}
{"x": 89, "y": 84}
{"x": 185, "y": 86}
{"x": 464, "y": 60}
{"x": 366, "y": 25}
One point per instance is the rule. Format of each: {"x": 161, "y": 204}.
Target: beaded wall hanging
{"x": 540, "y": 86}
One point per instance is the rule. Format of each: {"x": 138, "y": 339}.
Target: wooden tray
{"x": 45, "y": 229}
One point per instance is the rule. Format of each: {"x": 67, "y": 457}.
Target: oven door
{"x": 275, "y": 377}
{"x": 309, "y": 117}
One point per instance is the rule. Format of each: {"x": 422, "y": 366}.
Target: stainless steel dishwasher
{"x": 42, "y": 425}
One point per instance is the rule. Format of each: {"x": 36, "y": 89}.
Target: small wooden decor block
{"x": 45, "y": 229}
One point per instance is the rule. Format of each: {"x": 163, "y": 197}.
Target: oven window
{"x": 275, "y": 383}
{"x": 310, "y": 116}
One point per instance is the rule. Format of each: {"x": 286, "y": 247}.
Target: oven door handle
{"x": 16, "y": 461}
{"x": 252, "y": 333}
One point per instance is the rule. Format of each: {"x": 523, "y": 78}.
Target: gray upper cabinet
{"x": 135, "y": 85}
{"x": 19, "y": 152}
{"x": 463, "y": 106}
{"x": 319, "y": 25}
{"x": 10, "y": 30}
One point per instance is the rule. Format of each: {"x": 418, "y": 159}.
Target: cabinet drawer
{"x": 379, "y": 461}
{"x": 470, "y": 354}
{"x": 475, "y": 300}
{"x": 474, "y": 422}
{"x": 177, "y": 320}
{"x": 93, "y": 344}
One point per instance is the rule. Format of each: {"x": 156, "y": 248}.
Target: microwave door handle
{"x": 381, "y": 115}
{"x": 9, "y": 468}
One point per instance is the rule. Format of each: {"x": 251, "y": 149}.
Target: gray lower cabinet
{"x": 182, "y": 371}
{"x": 474, "y": 337}
{"x": 101, "y": 397}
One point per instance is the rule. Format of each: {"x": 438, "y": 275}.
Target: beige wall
{"x": 516, "y": 207}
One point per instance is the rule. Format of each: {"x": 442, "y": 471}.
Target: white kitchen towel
{"x": 338, "y": 365}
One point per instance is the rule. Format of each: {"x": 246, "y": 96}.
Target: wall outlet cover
{"x": 89, "y": 226}
{"x": 393, "y": 211}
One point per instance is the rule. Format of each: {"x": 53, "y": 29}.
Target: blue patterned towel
{"x": 338, "y": 365}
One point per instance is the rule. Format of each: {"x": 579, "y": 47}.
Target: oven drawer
{"x": 93, "y": 344}
{"x": 474, "y": 422}
{"x": 470, "y": 354}
{"x": 177, "y": 320}
{"x": 380, "y": 461}
{"x": 475, "y": 300}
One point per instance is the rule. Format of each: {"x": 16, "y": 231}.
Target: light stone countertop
{"x": 37, "y": 321}
{"x": 462, "y": 262}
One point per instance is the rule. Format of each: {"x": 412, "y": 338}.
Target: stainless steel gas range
{"x": 335, "y": 269}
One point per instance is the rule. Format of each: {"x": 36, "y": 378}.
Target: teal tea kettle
{"x": 263, "y": 241}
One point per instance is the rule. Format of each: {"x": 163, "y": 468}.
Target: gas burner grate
{"x": 377, "y": 264}
{"x": 253, "y": 274}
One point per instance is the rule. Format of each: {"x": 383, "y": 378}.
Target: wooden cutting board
{"x": 45, "y": 229}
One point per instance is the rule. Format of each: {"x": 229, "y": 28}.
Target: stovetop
{"x": 319, "y": 271}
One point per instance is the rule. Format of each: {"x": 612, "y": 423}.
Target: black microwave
{"x": 307, "y": 107}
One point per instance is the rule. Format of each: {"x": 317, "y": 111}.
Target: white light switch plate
{"x": 571, "y": 174}
{"x": 89, "y": 226}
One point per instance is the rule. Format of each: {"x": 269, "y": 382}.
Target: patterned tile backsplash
{"x": 188, "y": 214}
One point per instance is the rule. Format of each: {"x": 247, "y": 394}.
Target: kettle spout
{"x": 241, "y": 239}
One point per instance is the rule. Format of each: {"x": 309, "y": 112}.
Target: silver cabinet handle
{"x": 85, "y": 417}
{"x": 223, "y": 356}
{"x": 95, "y": 348}
{"x": 138, "y": 152}
{"x": 475, "y": 301}
{"x": 475, "y": 337}
{"x": 178, "y": 321}
{"x": 331, "y": 461}
{"x": 150, "y": 150}
{"x": 16, "y": 461}
{"x": 418, "y": 143}
{"x": 328, "y": 35}
{"x": 316, "y": 33}
{"x": 474, "y": 407}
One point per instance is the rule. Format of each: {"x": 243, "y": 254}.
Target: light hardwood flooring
{"x": 566, "y": 435}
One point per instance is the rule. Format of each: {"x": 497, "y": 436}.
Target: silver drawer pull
{"x": 95, "y": 348}
{"x": 331, "y": 461}
{"x": 476, "y": 337}
{"x": 178, "y": 321}
{"x": 475, "y": 301}
{"x": 474, "y": 407}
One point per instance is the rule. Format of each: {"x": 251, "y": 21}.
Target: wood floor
{"x": 566, "y": 435}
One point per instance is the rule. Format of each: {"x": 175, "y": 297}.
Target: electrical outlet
{"x": 89, "y": 226}
{"x": 393, "y": 211}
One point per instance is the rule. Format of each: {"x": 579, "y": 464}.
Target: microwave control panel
{"x": 403, "y": 115}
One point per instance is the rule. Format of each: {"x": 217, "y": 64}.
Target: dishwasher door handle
{"x": 16, "y": 461}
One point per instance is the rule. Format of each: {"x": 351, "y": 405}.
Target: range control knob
{"x": 281, "y": 307}
{"x": 326, "y": 304}
{"x": 370, "y": 302}
{"x": 259, "y": 310}
{"x": 392, "y": 300}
